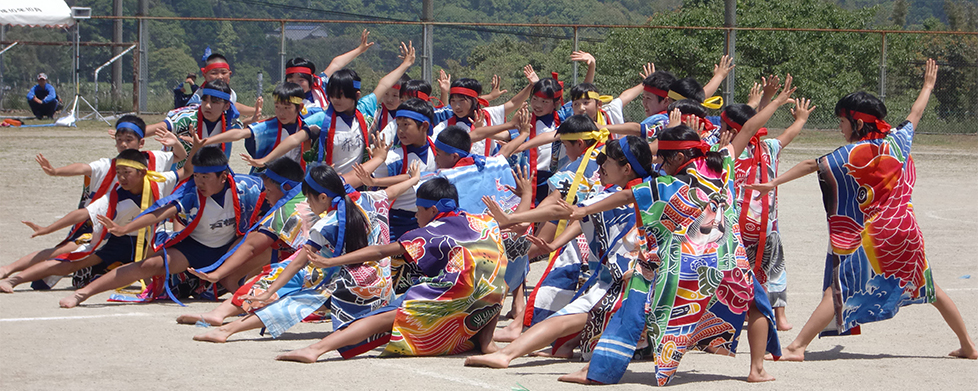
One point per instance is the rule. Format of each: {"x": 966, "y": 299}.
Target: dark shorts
{"x": 117, "y": 251}
{"x": 401, "y": 221}
{"x": 199, "y": 255}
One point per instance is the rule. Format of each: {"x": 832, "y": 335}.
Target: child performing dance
{"x": 876, "y": 262}
{"x": 458, "y": 299}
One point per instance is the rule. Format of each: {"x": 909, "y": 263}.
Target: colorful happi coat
{"x": 875, "y": 263}
{"x": 759, "y": 217}
{"x": 694, "y": 285}
{"x": 462, "y": 289}
{"x": 350, "y": 290}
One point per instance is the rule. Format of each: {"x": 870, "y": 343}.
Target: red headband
{"x": 683, "y": 145}
{"x": 214, "y": 65}
{"x": 302, "y": 70}
{"x": 559, "y": 94}
{"x": 396, "y": 86}
{"x": 470, "y": 93}
{"x": 881, "y": 125}
{"x": 418, "y": 94}
{"x": 730, "y": 122}
{"x": 656, "y": 91}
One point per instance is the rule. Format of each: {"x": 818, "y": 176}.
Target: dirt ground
{"x": 102, "y": 345}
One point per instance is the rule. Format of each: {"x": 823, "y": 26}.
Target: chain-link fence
{"x": 826, "y": 64}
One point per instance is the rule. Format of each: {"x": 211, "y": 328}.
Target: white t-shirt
{"x": 100, "y": 172}
{"x": 348, "y": 145}
{"x": 614, "y": 111}
{"x": 127, "y": 209}
{"x": 217, "y": 225}
{"x": 393, "y": 167}
{"x": 497, "y": 115}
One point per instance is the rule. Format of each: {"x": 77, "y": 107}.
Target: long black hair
{"x": 357, "y": 224}
{"x": 714, "y": 160}
{"x": 341, "y": 84}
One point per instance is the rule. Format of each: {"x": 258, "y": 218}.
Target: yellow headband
{"x": 600, "y": 135}
{"x": 713, "y": 102}
{"x": 602, "y": 98}
{"x": 131, "y": 163}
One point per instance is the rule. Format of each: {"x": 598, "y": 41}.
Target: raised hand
{"x": 365, "y": 42}
{"x": 478, "y": 119}
{"x": 647, "y": 70}
{"x": 259, "y": 103}
{"x": 45, "y": 165}
{"x": 724, "y": 67}
{"x": 582, "y": 56}
{"x": 314, "y": 258}
{"x": 675, "y": 118}
{"x": 414, "y": 170}
{"x": 495, "y": 92}
{"x": 444, "y": 80}
{"x": 754, "y": 97}
{"x": 168, "y": 139}
{"x": 365, "y": 177}
{"x": 530, "y": 74}
{"x": 803, "y": 108}
{"x": 496, "y": 211}
{"x": 930, "y": 73}
{"x": 523, "y": 182}
{"x": 786, "y": 92}
{"x": 380, "y": 146}
{"x": 407, "y": 52}
{"x": 574, "y": 212}
{"x": 771, "y": 84}
{"x": 257, "y": 163}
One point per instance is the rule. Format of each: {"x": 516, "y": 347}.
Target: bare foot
{"x": 304, "y": 355}
{"x": 508, "y": 333}
{"x": 4, "y": 272}
{"x": 966, "y": 352}
{"x": 783, "y": 325}
{"x": 216, "y": 336}
{"x": 579, "y": 377}
{"x": 193, "y": 319}
{"x": 792, "y": 354}
{"x": 546, "y": 353}
{"x": 759, "y": 377}
{"x": 73, "y": 300}
{"x": 489, "y": 348}
{"x": 6, "y": 286}
{"x": 768, "y": 357}
{"x": 494, "y": 360}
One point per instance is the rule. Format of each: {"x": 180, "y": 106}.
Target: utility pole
{"x": 116, "y": 38}
{"x": 730, "y": 20}
{"x": 143, "y": 54}
{"x": 427, "y": 37}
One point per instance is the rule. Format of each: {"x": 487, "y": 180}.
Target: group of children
{"x": 406, "y": 219}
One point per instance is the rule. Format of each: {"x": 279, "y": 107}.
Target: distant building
{"x": 298, "y": 32}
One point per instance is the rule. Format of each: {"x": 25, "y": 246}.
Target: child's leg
{"x": 579, "y": 377}
{"x": 484, "y": 337}
{"x": 782, "y": 319}
{"x": 128, "y": 274}
{"x": 250, "y": 267}
{"x": 215, "y": 317}
{"x": 514, "y": 328}
{"x": 221, "y": 334}
{"x": 535, "y": 338}
{"x": 953, "y": 318}
{"x": 35, "y": 257}
{"x": 356, "y": 332}
{"x": 757, "y": 328}
{"x": 50, "y": 267}
{"x": 816, "y": 323}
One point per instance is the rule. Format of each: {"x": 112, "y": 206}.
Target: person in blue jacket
{"x": 42, "y": 98}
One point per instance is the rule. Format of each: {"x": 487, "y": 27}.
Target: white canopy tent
{"x": 35, "y": 13}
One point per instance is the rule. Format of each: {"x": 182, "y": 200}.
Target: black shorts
{"x": 117, "y": 251}
{"x": 199, "y": 255}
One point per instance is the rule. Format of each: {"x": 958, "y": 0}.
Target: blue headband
{"x": 131, "y": 126}
{"x": 216, "y": 94}
{"x": 209, "y": 169}
{"x": 631, "y": 158}
{"x": 450, "y": 149}
{"x": 337, "y": 202}
{"x": 279, "y": 179}
{"x": 443, "y": 205}
{"x": 403, "y": 113}
{"x": 356, "y": 84}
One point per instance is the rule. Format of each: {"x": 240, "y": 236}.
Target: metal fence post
{"x": 428, "y": 41}
{"x": 883, "y": 68}
{"x": 281, "y": 55}
{"x": 730, "y": 49}
{"x": 575, "y": 49}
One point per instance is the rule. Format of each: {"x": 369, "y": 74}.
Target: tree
{"x": 899, "y": 15}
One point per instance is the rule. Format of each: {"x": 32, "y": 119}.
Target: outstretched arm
{"x": 298, "y": 263}
{"x": 803, "y": 108}
{"x": 720, "y": 72}
{"x": 630, "y": 94}
{"x": 388, "y": 81}
{"x": 799, "y": 170}
{"x": 414, "y": 175}
{"x": 290, "y": 143}
{"x": 140, "y": 222}
{"x": 74, "y": 169}
{"x": 76, "y": 216}
{"x": 613, "y": 201}
{"x": 366, "y": 254}
{"x": 341, "y": 61}
{"x": 229, "y": 136}
{"x": 588, "y": 59}
{"x": 930, "y": 79}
